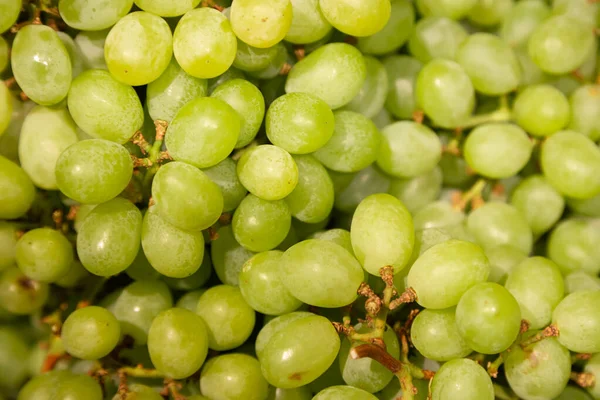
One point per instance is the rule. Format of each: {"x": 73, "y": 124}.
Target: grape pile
{"x": 299, "y": 199}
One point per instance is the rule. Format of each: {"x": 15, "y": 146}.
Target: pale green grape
{"x": 445, "y": 93}
{"x": 308, "y": 23}
{"x": 439, "y": 214}
{"x": 299, "y": 393}
{"x": 571, "y": 163}
{"x": 395, "y": 32}
{"x": 233, "y": 376}
{"x": 321, "y": 273}
{"x": 370, "y": 99}
{"x": 109, "y": 237}
{"x": 203, "y": 132}
{"x": 78, "y": 387}
{"x": 275, "y": 66}
{"x": 593, "y": 367}
{"x": 14, "y": 350}
{"x": 581, "y": 281}
{"x": 343, "y": 392}
{"x": 140, "y": 269}
{"x": 337, "y": 236}
{"x": 83, "y": 211}
{"x": 105, "y": 108}
{"x": 462, "y": 379}
{"x": 588, "y": 207}
{"x": 44, "y": 254}
{"x": 578, "y": 321}
{"x": 424, "y": 240}
{"x": 172, "y": 8}
{"x": 585, "y": 106}
{"x": 273, "y": 325}
{"x": 19, "y": 294}
{"x": 402, "y": 74}
{"x": 355, "y": 17}
{"x": 560, "y": 44}
{"x": 503, "y": 259}
{"x": 42, "y": 387}
{"x": 419, "y": 191}
{"x": 4, "y": 55}
{"x": 231, "y": 73}
{"x": 334, "y": 73}
{"x": 443, "y": 273}
{"x": 41, "y": 64}
{"x": 194, "y": 281}
{"x": 581, "y": 10}
{"x": 189, "y": 301}
{"x": 435, "y": 334}
{"x": 353, "y": 188}
{"x": 91, "y": 48}
{"x": 228, "y": 317}
{"x": 8, "y": 244}
{"x": 261, "y": 24}
{"x": 261, "y": 225}
{"x": 77, "y": 64}
{"x": 93, "y": 16}
{"x": 74, "y": 276}
{"x": 490, "y": 12}
{"x": 436, "y": 37}
{"x": 228, "y": 256}
{"x": 248, "y": 58}
{"x": 573, "y": 245}
{"x": 541, "y": 110}
{"x": 9, "y": 11}
{"x": 260, "y": 284}
{"x": 45, "y": 134}
{"x": 312, "y": 199}
{"x": 224, "y": 175}
{"x": 204, "y": 43}
{"x": 6, "y": 109}
{"x": 331, "y": 377}
{"x": 299, "y": 123}
{"x": 90, "y": 333}
{"x": 520, "y": 22}
{"x": 140, "y": 392}
{"x": 16, "y": 190}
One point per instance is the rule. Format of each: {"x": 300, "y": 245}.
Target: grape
{"x": 560, "y": 44}
{"x": 16, "y": 190}
{"x": 370, "y": 99}
{"x": 105, "y": 108}
{"x": 579, "y": 281}
{"x": 4, "y": 55}
{"x": 233, "y": 376}
{"x": 419, "y": 191}
{"x": 436, "y": 37}
{"x": 189, "y": 301}
{"x": 8, "y": 244}
{"x": 356, "y": 18}
{"x": 13, "y": 368}
{"x": 439, "y": 214}
{"x": 445, "y": 8}
{"x": 44, "y": 254}
{"x": 520, "y": 22}
{"x": 321, "y": 273}
{"x": 228, "y": 256}
{"x": 343, "y": 392}
{"x": 358, "y": 186}
{"x": 490, "y": 12}
{"x": 299, "y": 123}
{"x": 308, "y": 23}
{"x": 445, "y": 93}
{"x": 224, "y": 175}
{"x": 587, "y": 207}
{"x": 503, "y": 259}
{"x": 91, "y": 48}
{"x": 78, "y": 387}
{"x": 274, "y": 325}
{"x": 140, "y": 269}
{"x": 140, "y": 392}
{"x": 204, "y": 43}
{"x": 42, "y": 387}
{"x": 395, "y": 32}
{"x": 582, "y": 11}
{"x": 248, "y": 101}
{"x": 261, "y": 24}
{"x": 177, "y": 342}
{"x": 275, "y": 67}
{"x": 585, "y": 105}
{"x": 77, "y": 64}
{"x": 593, "y": 367}
{"x": 167, "y": 9}
{"x": 74, "y": 276}
{"x": 393, "y": 390}
{"x": 337, "y": 236}
{"x": 9, "y": 10}
{"x": 228, "y": 317}
{"x": 541, "y": 110}
{"x": 461, "y": 379}
{"x": 203, "y": 132}
{"x": 578, "y": 322}
{"x": 41, "y": 64}
{"x": 6, "y": 109}
{"x": 334, "y": 73}
{"x": 402, "y": 74}
{"x": 573, "y": 246}
{"x": 90, "y": 333}
{"x": 231, "y": 73}
{"x": 300, "y": 393}
{"x": 19, "y": 294}
{"x": 250, "y": 59}
{"x": 539, "y": 371}
{"x": 194, "y": 281}
{"x": 93, "y": 16}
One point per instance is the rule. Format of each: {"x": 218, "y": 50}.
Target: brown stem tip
{"x": 583, "y": 379}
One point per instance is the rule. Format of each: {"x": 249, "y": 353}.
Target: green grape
{"x": 335, "y": 73}
{"x": 541, "y": 370}
{"x": 91, "y": 48}
{"x": 248, "y": 101}
{"x": 520, "y": 22}
{"x": 445, "y": 93}
{"x": 292, "y": 238}
{"x": 41, "y": 64}
{"x": 593, "y": 367}
{"x": 77, "y": 64}
{"x": 44, "y": 254}
{"x": 571, "y": 163}
{"x": 578, "y": 322}
{"x": 366, "y": 182}
{"x": 585, "y": 105}
{"x": 8, "y": 244}
{"x": 395, "y": 32}
{"x": 9, "y": 12}
{"x": 453, "y": 9}
{"x": 228, "y": 256}
{"x": 203, "y": 132}
{"x": 497, "y": 223}
{"x": 366, "y": 373}
{"x": 343, "y": 392}
{"x": 261, "y": 24}
{"x": 299, "y": 393}
{"x": 4, "y": 55}
{"x": 74, "y": 276}
{"x": 136, "y": 306}
{"x": 224, "y": 175}
{"x": 19, "y": 294}
{"x": 204, "y": 43}
{"x": 541, "y": 110}
{"x": 189, "y": 301}
{"x": 308, "y": 23}
{"x": 462, "y": 379}
{"x": 582, "y": 11}
{"x": 419, "y": 191}
{"x": 109, "y": 237}
{"x": 573, "y": 393}
{"x": 82, "y": 212}
{"x": 6, "y": 109}
{"x": 578, "y": 281}
{"x": 261, "y": 286}
{"x": 370, "y": 99}
{"x": 78, "y": 387}
{"x": 393, "y": 390}
{"x": 194, "y": 281}
{"x": 337, "y": 236}
{"x": 233, "y": 376}
{"x": 273, "y": 325}
{"x": 560, "y": 44}
{"x": 105, "y": 108}
{"x": 439, "y": 214}
{"x": 490, "y": 12}
{"x": 443, "y": 273}
{"x": 455, "y": 171}
{"x": 503, "y": 259}
{"x": 588, "y": 207}
{"x": 321, "y": 273}
{"x": 299, "y": 123}
{"x": 228, "y": 317}
{"x": 312, "y": 199}
{"x": 171, "y": 91}
{"x": 424, "y": 240}
{"x": 331, "y": 377}
{"x": 250, "y": 58}
{"x": 13, "y": 366}
{"x": 356, "y": 18}
{"x": 90, "y": 333}
{"x": 275, "y": 66}
{"x": 231, "y": 73}
{"x": 16, "y": 190}
{"x": 436, "y": 37}
{"x": 42, "y": 387}
{"x": 573, "y": 245}
{"x": 382, "y": 119}
{"x": 140, "y": 392}
{"x": 140, "y": 269}
{"x": 93, "y": 16}
{"x": 171, "y": 8}
{"x": 402, "y": 74}
{"x": 178, "y": 342}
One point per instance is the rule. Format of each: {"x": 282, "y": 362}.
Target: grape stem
{"x": 473, "y": 196}
{"x": 502, "y": 114}
{"x": 550, "y": 331}
{"x": 172, "y": 387}
{"x": 583, "y": 379}
{"x": 492, "y": 367}
{"x": 140, "y": 372}
{"x": 580, "y": 357}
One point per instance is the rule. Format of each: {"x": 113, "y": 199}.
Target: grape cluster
{"x": 299, "y": 199}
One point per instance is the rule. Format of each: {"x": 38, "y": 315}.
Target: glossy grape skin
{"x": 228, "y": 317}
{"x": 308, "y": 23}
{"x": 353, "y": 188}
{"x": 19, "y": 294}
{"x": 503, "y": 259}
{"x": 74, "y": 276}
{"x": 76, "y": 387}
{"x": 539, "y": 371}
{"x": 170, "y": 9}
{"x": 356, "y": 18}
{"x": 321, "y": 273}
{"x": 461, "y": 379}
{"x": 419, "y": 191}
{"x": 6, "y": 109}
{"x": 224, "y": 175}
{"x": 582, "y": 11}
{"x": 445, "y": 8}
{"x": 395, "y": 32}
{"x": 248, "y": 101}
{"x": 445, "y": 93}
{"x": 44, "y": 254}
{"x": 539, "y": 202}
{"x": 233, "y": 376}
{"x": 402, "y": 74}
{"x": 578, "y": 281}
{"x": 370, "y": 99}
{"x": 585, "y": 105}
{"x": 573, "y": 246}
{"x": 343, "y": 392}
{"x": 214, "y": 53}
{"x": 299, "y": 393}
{"x": 335, "y": 73}
{"x": 42, "y": 387}
{"x": 541, "y": 110}
{"x": 15, "y": 351}
{"x": 436, "y": 37}
{"x": 16, "y": 190}
{"x": 439, "y": 214}
{"x": 203, "y": 132}
{"x": 261, "y": 24}
{"x": 91, "y": 48}
{"x": 228, "y": 256}
{"x": 586, "y": 207}
{"x": 521, "y": 21}
{"x": 189, "y": 301}
{"x": 577, "y": 319}
{"x": 253, "y": 59}
{"x": 274, "y": 325}
{"x": 90, "y": 333}
{"x": 447, "y": 270}
{"x": 194, "y": 281}
{"x": 88, "y": 16}
{"x": 10, "y": 12}
{"x": 489, "y": 13}
{"x": 141, "y": 392}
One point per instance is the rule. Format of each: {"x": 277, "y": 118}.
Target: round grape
{"x": 90, "y": 333}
